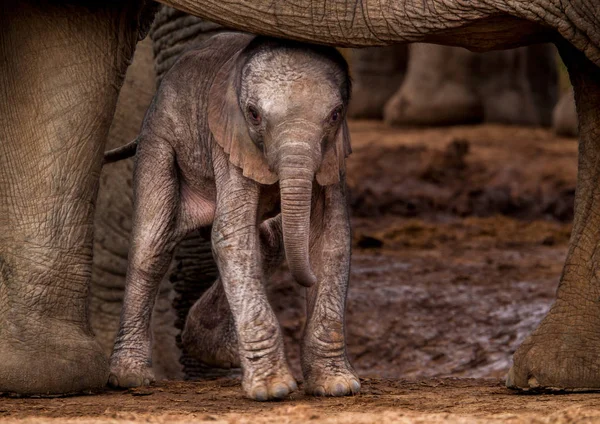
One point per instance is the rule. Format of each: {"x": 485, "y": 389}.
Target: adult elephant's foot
{"x": 437, "y": 89}
{"x": 562, "y": 353}
{"x": 50, "y": 360}
{"x": 127, "y": 372}
{"x": 327, "y": 379}
{"x": 450, "y": 104}
{"x": 209, "y": 334}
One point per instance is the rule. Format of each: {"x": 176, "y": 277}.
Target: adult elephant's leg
{"x": 562, "y": 353}
{"x": 438, "y": 88}
{"x": 377, "y": 73}
{"x": 60, "y": 74}
{"x": 504, "y": 88}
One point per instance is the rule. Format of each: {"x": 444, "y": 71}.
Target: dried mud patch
{"x": 464, "y": 171}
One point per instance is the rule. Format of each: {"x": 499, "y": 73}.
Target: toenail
{"x": 338, "y": 390}
{"x": 279, "y": 391}
{"x": 355, "y": 386}
{"x": 260, "y": 394}
{"x": 533, "y": 383}
{"x": 320, "y": 391}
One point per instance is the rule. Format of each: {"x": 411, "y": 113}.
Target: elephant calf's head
{"x": 278, "y": 109}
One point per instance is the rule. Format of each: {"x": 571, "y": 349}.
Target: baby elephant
{"x": 247, "y": 134}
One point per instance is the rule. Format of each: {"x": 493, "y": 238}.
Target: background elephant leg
{"x": 562, "y": 353}
{"x": 325, "y": 363}
{"x": 438, "y": 88}
{"x": 564, "y": 116}
{"x": 209, "y": 333}
{"x": 542, "y": 74}
{"x": 60, "y": 74}
{"x": 377, "y": 73}
{"x": 518, "y": 86}
{"x": 173, "y": 32}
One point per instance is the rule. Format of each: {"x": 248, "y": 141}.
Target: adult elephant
{"x": 61, "y": 70}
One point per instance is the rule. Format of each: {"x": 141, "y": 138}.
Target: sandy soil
{"x": 381, "y": 401}
{"x": 459, "y": 239}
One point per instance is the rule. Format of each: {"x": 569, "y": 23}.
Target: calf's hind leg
{"x": 153, "y": 239}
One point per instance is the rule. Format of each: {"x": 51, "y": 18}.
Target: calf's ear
{"x": 334, "y": 158}
{"x": 229, "y": 129}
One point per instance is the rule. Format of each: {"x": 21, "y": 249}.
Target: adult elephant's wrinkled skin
{"x": 61, "y": 70}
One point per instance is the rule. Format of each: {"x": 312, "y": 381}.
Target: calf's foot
{"x": 331, "y": 378}
{"x": 269, "y": 382}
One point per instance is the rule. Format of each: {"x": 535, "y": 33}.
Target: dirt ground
{"x": 459, "y": 238}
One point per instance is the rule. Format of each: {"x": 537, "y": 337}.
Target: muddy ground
{"x": 459, "y": 239}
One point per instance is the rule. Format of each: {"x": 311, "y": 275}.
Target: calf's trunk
{"x": 296, "y": 195}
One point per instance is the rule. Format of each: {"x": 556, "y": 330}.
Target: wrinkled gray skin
{"x": 449, "y": 85}
{"x": 62, "y": 68}
{"x": 112, "y": 226}
{"x": 185, "y": 179}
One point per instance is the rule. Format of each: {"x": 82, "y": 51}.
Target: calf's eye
{"x": 254, "y": 116}
{"x": 335, "y": 115}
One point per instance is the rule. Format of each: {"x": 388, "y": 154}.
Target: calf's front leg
{"x": 326, "y": 369}
{"x": 236, "y": 246}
